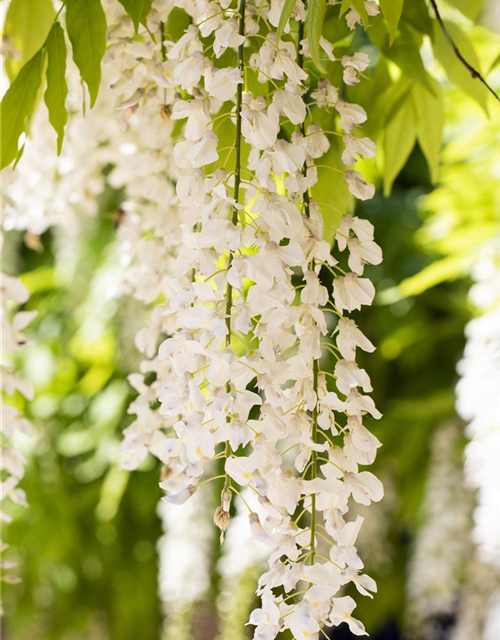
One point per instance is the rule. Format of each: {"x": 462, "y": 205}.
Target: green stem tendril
{"x": 234, "y": 212}
{"x": 306, "y": 203}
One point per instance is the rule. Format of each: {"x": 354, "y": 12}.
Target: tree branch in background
{"x": 474, "y": 73}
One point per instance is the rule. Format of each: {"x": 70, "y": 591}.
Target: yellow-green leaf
{"x": 57, "y": 90}
{"x": 429, "y": 112}
{"x": 17, "y": 107}
{"x": 27, "y": 24}
{"x": 439, "y": 271}
{"x": 286, "y": 12}
{"x": 399, "y": 140}
{"x": 137, "y": 10}
{"x": 468, "y": 8}
{"x": 314, "y": 28}
{"x": 86, "y": 25}
{"x": 455, "y": 70}
{"x": 357, "y": 5}
{"x": 392, "y": 10}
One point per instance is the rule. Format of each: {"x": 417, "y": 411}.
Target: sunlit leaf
{"x": 454, "y": 68}
{"x": 468, "y": 8}
{"x": 17, "y": 107}
{"x": 57, "y": 90}
{"x": 27, "y": 24}
{"x": 86, "y": 24}
{"x": 392, "y": 10}
{"x": 446, "y": 269}
{"x": 399, "y": 141}
{"x": 429, "y": 111}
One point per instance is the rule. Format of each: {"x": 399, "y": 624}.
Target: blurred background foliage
{"x": 87, "y": 544}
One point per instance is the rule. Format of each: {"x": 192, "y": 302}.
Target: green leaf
{"x": 455, "y": 70}
{"x": 86, "y": 25}
{"x": 145, "y": 12}
{"x": 17, "y": 106}
{"x": 57, "y": 89}
{"x": 314, "y": 28}
{"x": 399, "y": 141}
{"x": 439, "y": 271}
{"x": 286, "y": 12}
{"x": 359, "y": 6}
{"x": 27, "y": 24}
{"x": 392, "y": 10}
{"x": 468, "y": 8}
{"x": 429, "y": 112}
{"x": 332, "y": 188}
{"x": 138, "y": 10}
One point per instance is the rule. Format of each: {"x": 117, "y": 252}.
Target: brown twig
{"x": 474, "y": 72}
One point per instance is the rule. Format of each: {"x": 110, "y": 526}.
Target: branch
{"x": 474, "y": 72}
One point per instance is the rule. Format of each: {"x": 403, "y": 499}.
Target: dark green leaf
{"x": 286, "y": 12}
{"x": 314, "y": 28}
{"x": 138, "y": 10}
{"x": 27, "y": 24}
{"x": 399, "y": 141}
{"x": 57, "y": 90}
{"x": 17, "y": 106}
{"x": 392, "y": 10}
{"x": 86, "y": 25}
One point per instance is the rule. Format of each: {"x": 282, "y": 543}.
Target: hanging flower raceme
{"x": 137, "y": 71}
{"x": 250, "y": 326}
{"x": 14, "y": 425}
{"x": 478, "y": 402}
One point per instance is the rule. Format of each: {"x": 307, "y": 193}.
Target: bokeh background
{"x": 100, "y": 558}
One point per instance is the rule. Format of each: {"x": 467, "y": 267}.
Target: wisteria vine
{"x": 249, "y": 404}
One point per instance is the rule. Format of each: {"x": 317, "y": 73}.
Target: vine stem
{"x": 234, "y": 212}
{"x": 315, "y": 363}
{"x": 474, "y": 72}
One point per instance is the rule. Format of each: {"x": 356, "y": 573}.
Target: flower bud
{"x": 221, "y": 519}
{"x": 226, "y": 499}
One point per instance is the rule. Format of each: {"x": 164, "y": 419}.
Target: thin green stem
{"x": 315, "y": 363}
{"x": 234, "y": 211}
{"x": 242, "y": 498}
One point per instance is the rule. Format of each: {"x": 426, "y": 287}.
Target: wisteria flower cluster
{"x": 248, "y": 316}
{"x": 478, "y": 402}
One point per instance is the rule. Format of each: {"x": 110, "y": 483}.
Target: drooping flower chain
{"x": 248, "y": 338}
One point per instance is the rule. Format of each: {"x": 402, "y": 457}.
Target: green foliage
{"x": 455, "y": 70}
{"x": 137, "y": 10}
{"x": 399, "y": 140}
{"x": 392, "y": 10}
{"x": 89, "y": 564}
{"x": 314, "y": 26}
{"x": 429, "y": 116}
{"x": 57, "y": 90}
{"x": 359, "y": 6}
{"x": 470, "y": 9}
{"x": 86, "y": 25}
{"x": 27, "y": 25}
{"x": 18, "y": 105}
{"x": 286, "y": 12}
